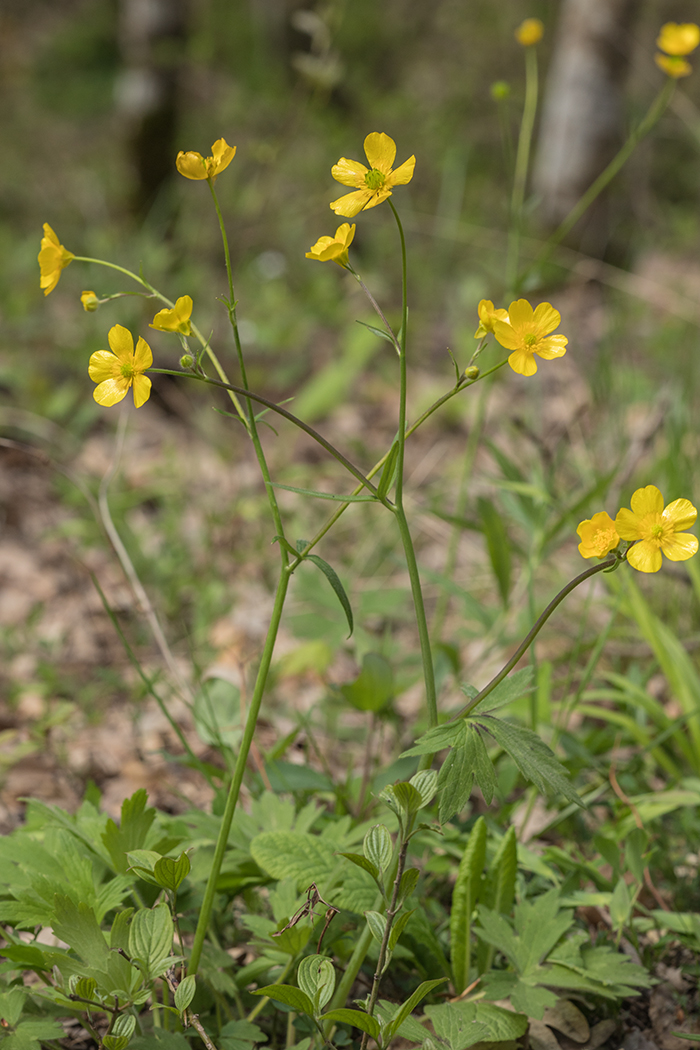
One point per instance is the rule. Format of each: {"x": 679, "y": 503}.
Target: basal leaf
{"x": 464, "y": 898}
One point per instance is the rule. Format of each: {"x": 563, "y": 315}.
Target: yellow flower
{"x": 673, "y": 65}
{"x": 374, "y": 184}
{"x": 90, "y": 301}
{"x": 678, "y": 39}
{"x": 52, "y": 258}
{"x": 598, "y": 536}
{"x": 115, "y": 372}
{"x": 658, "y": 529}
{"x": 528, "y": 334}
{"x": 529, "y": 32}
{"x": 487, "y": 315}
{"x": 334, "y": 248}
{"x": 194, "y": 166}
{"x": 176, "y": 319}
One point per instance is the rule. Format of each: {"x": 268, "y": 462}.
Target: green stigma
{"x": 375, "y": 179}
{"x": 127, "y": 370}
{"x": 530, "y": 339}
{"x": 657, "y": 531}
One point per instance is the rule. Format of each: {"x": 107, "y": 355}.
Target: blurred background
{"x": 98, "y": 98}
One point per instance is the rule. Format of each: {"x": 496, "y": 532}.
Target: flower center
{"x": 530, "y": 339}
{"x": 375, "y": 179}
{"x": 604, "y": 540}
{"x": 654, "y": 530}
{"x": 127, "y": 370}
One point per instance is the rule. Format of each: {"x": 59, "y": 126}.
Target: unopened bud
{"x": 500, "y": 90}
{"x": 90, "y": 301}
{"x": 186, "y": 361}
{"x": 472, "y": 372}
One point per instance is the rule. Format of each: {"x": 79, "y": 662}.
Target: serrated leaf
{"x": 455, "y": 782}
{"x": 334, "y": 580}
{"x": 184, "y": 993}
{"x": 409, "y": 1006}
{"x": 356, "y": 1018}
{"x": 518, "y": 684}
{"x": 437, "y": 739}
{"x": 537, "y": 763}
{"x": 378, "y": 847}
{"x": 361, "y": 862}
{"x": 77, "y": 926}
{"x": 464, "y": 898}
{"x": 170, "y": 873}
{"x": 374, "y": 686}
{"x": 290, "y": 996}
{"x": 11, "y": 1005}
{"x": 294, "y": 855}
{"x": 484, "y": 773}
{"x": 133, "y": 829}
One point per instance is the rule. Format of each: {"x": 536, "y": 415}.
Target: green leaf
{"x": 376, "y": 331}
{"x": 356, "y": 1018}
{"x": 367, "y": 498}
{"x": 294, "y": 855}
{"x": 240, "y": 1035}
{"x": 437, "y": 739}
{"x": 77, "y": 926}
{"x": 620, "y": 904}
{"x": 497, "y": 544}
{"x": 398, "y": 927}
{"x": 132, "y": 832}
{"x": 11, "y": 1005}
{"x": 143, "y": 862}
{"x": 425, "y": 782}
{"x": 635, "y": 846}
{"x": 518, "y": 684}
{"x": 290, "y": 996}
{"x": 456, "y": 1024}
{"x": 151, "y": 936}
{"x": 377, "y": 924}
{"x": 484, "y": 773}
{"x": 169, "y": 873}
{"x": 122, "y": 1031}
{"x": 455, "y": 781}
{"x": 334, "y": 580}
{"x": 498, "y": 888}
{"x": 537, "y": 763}
{"x": 374, "y": 686}
{"x": 362, "y": 862}
{"x": 28, "y": 1035}
{"x": 407, "y": 885}
{"x": 388, "y": 471}
{"x": 83, "y": 986}
{"x": 409, "y": 1006}
{"x": 184, "y": 993}
{"x": 464, "y": 898}
{"x": 377, "y": 847}
{"x": 316, "y": 977}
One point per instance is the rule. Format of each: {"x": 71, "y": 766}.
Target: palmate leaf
{"x": 537, "y": 763}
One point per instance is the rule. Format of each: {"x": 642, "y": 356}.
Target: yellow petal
{"x": 183, "y": 307}
{"x": 346, "y": 234}
{"x": 49, "y": 281}
{"x": 192, "y": 165}
{"x": 349, "y": 172}
{"x": 404, "y": 173}
{"x": 546, "y": 318}
{"x": 316, "y": 251}
{"x": 647, "y": 501}
{"x": 121, "y": 341}
{"x": 627, "y": 524}
{"x": 142, "y": 389}
{"x": 644, "y": 556}
{"x": 103, "y": 365}
{"x": 506, "y": 336}
{"x": 680, "y": 546}
{"x": 522, "y": 362}
{"x": 673, "y": 66}
{"x": 222, "y": 155}
{"x": 554, "y": 346}
{"x": 352, "y": 203}
{"x": 50, "y": 235}
{"x": 678, "y": 39}
{"x": 380, "y": 151}
{"x": 143, "y": 358}
{"x": 377, "y": 198}
{"x": 520, "y": 313}
{"x": 111, "y": 391}
{"x": 682, "y": 513}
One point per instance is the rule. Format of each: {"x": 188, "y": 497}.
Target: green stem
{"x": 522, "y": 163}
{"x": 610, "y": 563}
{"x": 404, "y": 531}
{"x": 653, "y": 114}
{"x": 234, "y": 791}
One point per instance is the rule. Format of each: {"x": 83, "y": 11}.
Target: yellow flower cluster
{"x": 524, "y": 331}
{"x": 652, "y": 529}
{"x": 676, "y": 41}
{"x": 194, "y": 166}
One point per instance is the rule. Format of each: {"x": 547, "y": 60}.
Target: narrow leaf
{"x": 409, "y": 1006}
{"x": 356, "y": 1018}
{"x": 362, "y": 862}
{"x": 290, "y": 996}
{"x": 464, "y": 898}
{"x": 389, "y": 469}
{"x": 334, "y": 580}
{"x": 367, "y": 498}
{"x": 497, "y": 544}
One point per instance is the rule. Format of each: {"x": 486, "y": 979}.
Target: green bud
{"x": 500, "y": 90}
{"x": 186, "y": 361}
{"x": 471, "y": 373}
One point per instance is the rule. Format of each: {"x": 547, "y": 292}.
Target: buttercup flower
{"x": 598, "y": 536}
{"x": 529, "y": 32}
{"x": 658, "y": 528}
{"x": 176, "y": 319}
{"x": 90, "y": 301}
{"x": 673, "y": 65}
{"x": 52, "y": 258}
{"x": 334, "y": 249}
{"x": 677, "y": 39}
{"x": 487, "y": 315}
{"x": 528, "y": 334}
{"x": 374, "y": 184}
{"x": 194, "y": 166}
{"x": 117, "y": 371}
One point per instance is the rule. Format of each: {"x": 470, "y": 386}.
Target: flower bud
{"x": 500, "y": 90}
{"x": 90, "y": 301}
{"x": 186, "y": 361}
{"x": 529, "y": 32}
{"x": 472, "y": 372}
